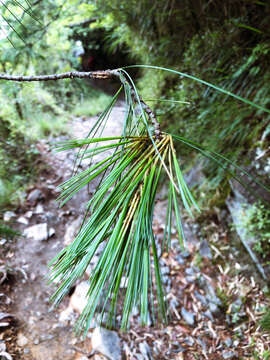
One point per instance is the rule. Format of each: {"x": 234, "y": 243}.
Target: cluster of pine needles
{"x": 120, "y": 214}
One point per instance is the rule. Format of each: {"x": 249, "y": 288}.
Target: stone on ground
{"x": 8, "y": 215}
{"x": 107, "y": 342}
{"x": 39, "y": 232}
{"x": 78, "y": 300}
{"x": 71, "y": 231}
{"x": 205, "y": 250}
{"x": 188, "y": 316}
{"x": 22, "y": 340}
{"x": 34, "y": 196}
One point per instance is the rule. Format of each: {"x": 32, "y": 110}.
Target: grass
{"x": 43, "y": 117}
{"x": 265, "y": 321}
{"x": 7, "y": 231}
{"x": 48, "y": 125}
{"x": 92, "y": 106}
{"x": 8, "y": 193}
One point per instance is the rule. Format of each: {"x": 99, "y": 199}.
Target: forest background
{"x": 224, "y": 43}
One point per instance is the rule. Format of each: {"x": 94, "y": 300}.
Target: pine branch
{"x": 101, "y": 74}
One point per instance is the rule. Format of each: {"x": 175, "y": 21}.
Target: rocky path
{"x": 214, "y": 306}
{"x": 45, "y": 333}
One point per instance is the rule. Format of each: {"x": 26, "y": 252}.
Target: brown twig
{"x": 153, "y": 119}
{"x": 150, "y": 113}
{"x": 101, "y": 74}
{"x": 86, "y": 353}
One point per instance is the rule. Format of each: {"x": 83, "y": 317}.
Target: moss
{"x": 256, "y": 220}
{"x": 265, "y": 321}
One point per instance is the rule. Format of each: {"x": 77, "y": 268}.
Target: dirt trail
{"x": 47, "y": 338}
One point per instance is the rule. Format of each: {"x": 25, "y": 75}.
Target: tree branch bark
{"x": 150, "y": 113}
{"x": 101, "y": 74}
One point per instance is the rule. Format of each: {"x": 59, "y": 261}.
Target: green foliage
{"x": 256, "y": 221}
{"x": 38, "y": 42}
{"x": 7, "y": 191}
{"x": 93, "y": 105}
{"x": 264, "y": 356}
{"x": 224, "y": 125}
{"x": 16, "y": 162}
{"x": 224, "y": 44}
{"x": 148, "y": 86}
{"x": 7, "y": 231}
{"x": 265, "y": 321}
{"x": 23, "y": 107}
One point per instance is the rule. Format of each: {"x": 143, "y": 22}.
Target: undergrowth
{"x": 92, "y": 105}
{"x": 7, "y": 232}
{"x": 35, "y": 112}
{"x": 256, "y": 221}
{"x": 225, "y": 44}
